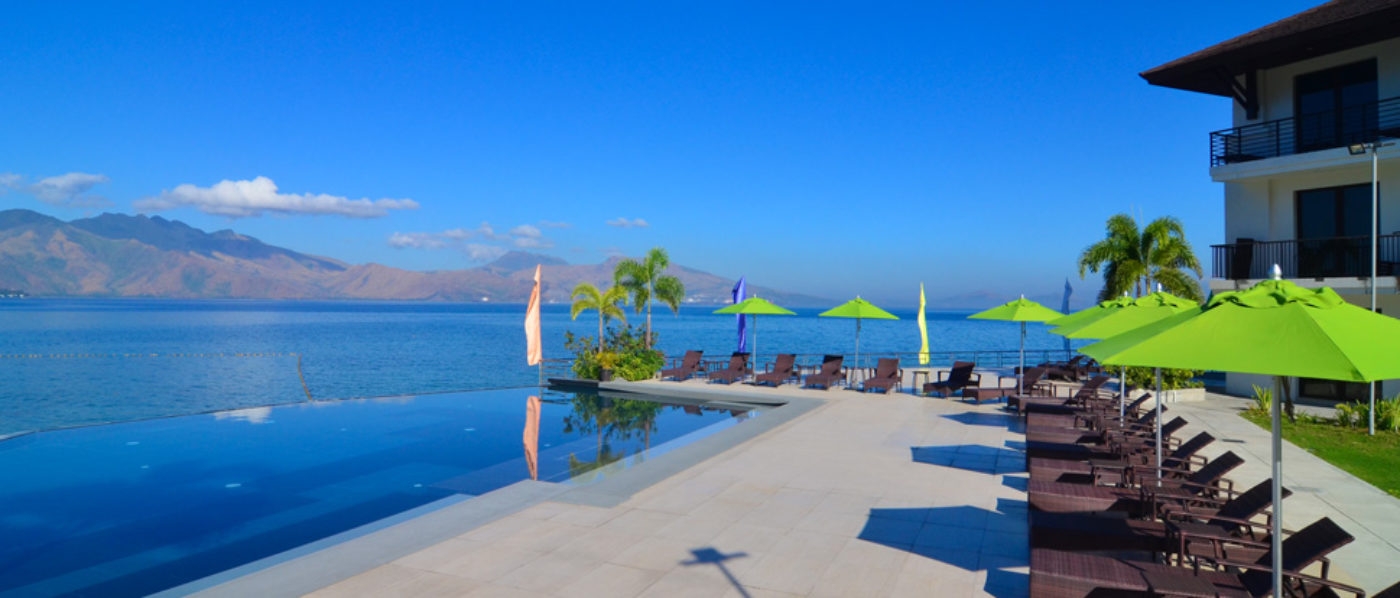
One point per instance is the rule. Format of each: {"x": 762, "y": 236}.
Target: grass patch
{"x": 1375, "y": 459}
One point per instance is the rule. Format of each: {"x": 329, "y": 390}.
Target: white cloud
{"x": 482, "y": 253}
{"x": 621, "y": 222}
{"x": 250, "y": 199}
{"x": 524, "y": 236}
{"x": 525, "y": 230}
{"x": 69, "y": 189}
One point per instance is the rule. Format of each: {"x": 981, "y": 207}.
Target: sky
{"x": 833, "y": 149}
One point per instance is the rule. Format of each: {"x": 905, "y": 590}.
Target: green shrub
{"x": 1351, "y": 415}
{"x": 1263, "y": 400}
{"x": 624, "y": 352}
{"x": 1388, "y": 414}
{"x": 1172, "y": 379}
{"x": 1358, "y": 414}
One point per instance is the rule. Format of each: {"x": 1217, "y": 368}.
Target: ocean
{"x": 68, "y": 362}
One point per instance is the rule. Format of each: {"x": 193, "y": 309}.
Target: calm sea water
{"x": 354, "y": 349}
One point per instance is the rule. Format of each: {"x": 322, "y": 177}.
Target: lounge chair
{"x": 737, "y": 369}
{"x": 1119, "y": 462}
{"x": 1031, "y": 383}
{"x": 1232, "y": 520}
{"x": 887, "y": 375}
{"x": 1064, "y": 370}
{"x": 960, "y": 377}
{"x": 784, "y": 369}
{"x": 831, "y": 373}
{"x": 1058, "y": 573}
{"x": 689, "y": 365}
{"x": 1205, "y": 484}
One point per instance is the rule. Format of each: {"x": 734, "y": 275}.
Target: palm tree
{"x": 608, "y": 304}
{"x": 1132, "y": 260}
{"x": 644, "y": 280}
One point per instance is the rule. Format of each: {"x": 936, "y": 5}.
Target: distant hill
{"x": 119, "y": 255}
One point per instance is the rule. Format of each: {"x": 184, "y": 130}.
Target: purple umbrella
{"x": 738, "y": 295}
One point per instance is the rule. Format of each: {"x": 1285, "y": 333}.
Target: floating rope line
{"x": 300, "y": 375}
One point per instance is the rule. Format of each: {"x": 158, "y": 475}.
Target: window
{"x": 1334, "y": 390}
{"x": 1335, "y": 107}
{"x": 1334, "y": 231}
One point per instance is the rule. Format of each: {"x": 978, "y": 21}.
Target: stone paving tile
{"x": 396, "y": 580}
{"x": 834, "y": 503}
{"x": 610, "y": 580}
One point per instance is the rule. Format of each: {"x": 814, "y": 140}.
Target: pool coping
{"x": 316, "y": 565}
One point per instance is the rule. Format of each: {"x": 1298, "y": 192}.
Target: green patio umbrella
{"x": 859, "y": 309}
{"x": 1275, "y": 328}
{"x": 1135, "y": 314}
{"x": 1098, "y": 310}
{"x": 1021, "y": 310}
{"x": 754, "y": 307}
{"x": 1065, "y": 324}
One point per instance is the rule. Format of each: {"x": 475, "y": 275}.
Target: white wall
{"x": 1276, "y": 85}
{"x": 1263, "y": 209}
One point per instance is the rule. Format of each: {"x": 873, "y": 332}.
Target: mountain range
{"x": 120, "y": 255}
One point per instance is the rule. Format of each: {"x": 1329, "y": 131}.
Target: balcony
{"x": 1305, "y": 258}
{"x": 1306, "y": 133}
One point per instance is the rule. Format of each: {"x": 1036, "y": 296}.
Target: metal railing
{"x": 1305, "y": 258}
{"x": 1306, "y": 133}
{"x": 808, "y": 362}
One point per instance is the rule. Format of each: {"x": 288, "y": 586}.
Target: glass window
{"x": 1336, "y": 106}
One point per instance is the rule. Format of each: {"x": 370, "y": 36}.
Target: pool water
{"x": 134, "y": 508}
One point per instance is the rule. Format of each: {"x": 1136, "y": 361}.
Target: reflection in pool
{"x": 128, "y": 509}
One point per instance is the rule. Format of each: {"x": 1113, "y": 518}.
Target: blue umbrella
{"x": 738, "y": 296}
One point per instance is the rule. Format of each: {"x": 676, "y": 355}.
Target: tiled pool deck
{"x": 863, "y": 495}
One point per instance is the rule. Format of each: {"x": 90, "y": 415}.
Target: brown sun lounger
{"x": 784, "y": 369}
{"x": 1111, "y": 463}
{"x": 1065, "y": 574}
{"x": 831, "y": 373}
{"x": 958, "y": 378}
{"x": 1234, "y": 519}
{"x": 887, "y": 375}
{"x": 737, "y": 369}
{"x": 1204, "y": 484}
{"x": 689, "y": 365}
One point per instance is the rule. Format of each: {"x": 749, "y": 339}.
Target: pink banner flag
{"x": 533, "y": 352}
{"x": 532, "y": 436}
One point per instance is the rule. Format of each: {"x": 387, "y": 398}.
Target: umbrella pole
{"x": 857, "y": 343}
{"x": 1158, "y": 419}
{"x": 1122, "y": 391}
{"x": 1021, "y": 376}
{"x": 1276, "y": 534}
{"x": 755, "y": 342}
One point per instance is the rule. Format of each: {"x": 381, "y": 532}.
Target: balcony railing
{"x": 1306, "y": 258}
{"x": 1306, "y": 133}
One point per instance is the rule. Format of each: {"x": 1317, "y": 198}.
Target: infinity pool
{"x": 134, "y": 508}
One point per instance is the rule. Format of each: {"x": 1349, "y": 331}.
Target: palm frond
{"x": 671, "y": 291}
{"x": 586, "y": 297}
{"x": 1178, "y": 283}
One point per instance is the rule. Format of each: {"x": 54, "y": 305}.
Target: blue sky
{"x": 826, "y": 148}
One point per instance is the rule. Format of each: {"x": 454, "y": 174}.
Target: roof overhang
{"x": 1329, "y": 28}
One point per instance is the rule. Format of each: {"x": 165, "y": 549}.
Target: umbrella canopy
{"x": 1021, "y": 310}
{"x": 1275, "y": 328}
{"x": 755, "y": 306}
{"x": 1135, "y": 314}
{"x": 859, "y": 309}
{"x": 1092, "y": 312}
